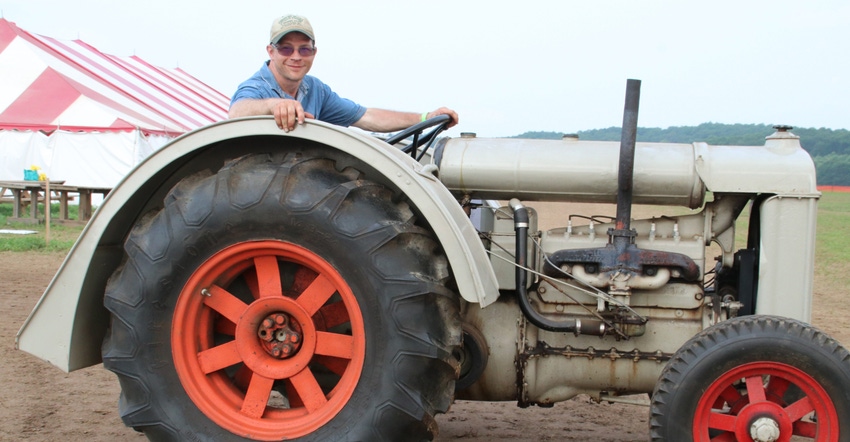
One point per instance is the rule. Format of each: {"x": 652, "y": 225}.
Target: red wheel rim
{"x": 753, "y": 395}
{"x": 268, "y": 340}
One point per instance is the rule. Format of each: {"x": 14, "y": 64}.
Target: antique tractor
{"x": 249, "y": 284}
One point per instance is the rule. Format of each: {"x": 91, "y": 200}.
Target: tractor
{"x": 246, "y": 283}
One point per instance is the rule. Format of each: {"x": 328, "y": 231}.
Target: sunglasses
{"x": 287, "y": 51}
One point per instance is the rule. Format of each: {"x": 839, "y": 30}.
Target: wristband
{"x": 424, "y": 116}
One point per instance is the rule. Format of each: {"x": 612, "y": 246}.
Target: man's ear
{"x": 270, "y": 50}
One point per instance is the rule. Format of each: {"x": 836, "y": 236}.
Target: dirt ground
{"x": 40, "y": 403}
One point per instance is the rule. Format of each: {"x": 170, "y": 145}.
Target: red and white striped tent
{"x": 86, "y": 117}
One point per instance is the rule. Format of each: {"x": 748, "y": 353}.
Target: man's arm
{"x": 289, "y": 112}
{"x": 382, "y": 120}
{"x": 286, "y": 112}
{"x": 248, "y": 107}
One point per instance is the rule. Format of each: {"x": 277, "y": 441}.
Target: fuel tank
{"x": 668, "y": 174}
{"x": 568, "y": 170}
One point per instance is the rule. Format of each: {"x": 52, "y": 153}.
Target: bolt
{"x": 280, "y": 319}
{"x": 264, "y": 335}
{"x": 276, "y": 352}
{"x": 280, "y": 335}
{"x": 764, "y": 429}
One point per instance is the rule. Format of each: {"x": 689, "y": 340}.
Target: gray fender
{"x": 68, "y": 324}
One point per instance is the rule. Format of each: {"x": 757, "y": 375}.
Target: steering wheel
{"x": 439, "y": 124}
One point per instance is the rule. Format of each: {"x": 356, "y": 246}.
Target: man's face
{"x": 294, "y": 67}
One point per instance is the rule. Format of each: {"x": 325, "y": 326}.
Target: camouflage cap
{"x": 290, "y": 23}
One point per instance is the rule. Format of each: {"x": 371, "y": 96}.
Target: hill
{"x": 829, "y": 148}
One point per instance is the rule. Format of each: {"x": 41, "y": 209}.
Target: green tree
{"x": 829, "y": 148}
{"x": 833, "y": 169}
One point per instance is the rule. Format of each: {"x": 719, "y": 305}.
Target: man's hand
{"x": 287, "y": 113}
{"x": 445, "y": 111}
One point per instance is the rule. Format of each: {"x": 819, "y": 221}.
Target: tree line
{"x": 829, "y": 148}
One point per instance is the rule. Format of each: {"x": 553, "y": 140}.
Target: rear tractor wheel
{"x": 282, "y": 299}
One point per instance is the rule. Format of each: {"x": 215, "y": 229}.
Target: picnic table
{"x": 33, "y": 192}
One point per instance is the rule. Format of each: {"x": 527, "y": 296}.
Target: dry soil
{"x": 40, "y": 403}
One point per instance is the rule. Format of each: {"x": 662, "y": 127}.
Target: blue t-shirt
{"x": 315, "y": 97}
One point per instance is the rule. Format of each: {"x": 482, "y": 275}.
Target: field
{"x": 40, "y": 403}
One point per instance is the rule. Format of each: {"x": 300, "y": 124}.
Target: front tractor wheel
{"x": 282, "y": 299}
{"x": 754, "y": 378}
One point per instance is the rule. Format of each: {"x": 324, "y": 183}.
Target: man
{"x": 282, "y": 88}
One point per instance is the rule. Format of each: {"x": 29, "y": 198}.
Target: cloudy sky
{"x": 506, "y": 66}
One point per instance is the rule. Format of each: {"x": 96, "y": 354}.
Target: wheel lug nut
{"x": 264, "y": 335}
{"x": 278, "y": 337}
{"x": 764, "y": 429}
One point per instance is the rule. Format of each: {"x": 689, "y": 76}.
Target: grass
{"x": 834, "y": 227}
{"x": 62, "y": 237}
{"x": 832, "y": 254}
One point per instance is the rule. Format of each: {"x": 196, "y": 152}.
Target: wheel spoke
{"x": 755, "y": 389}
{"x": 218, "y": 358}
{"x": 316, "y": 295}
{"x": 225, "y": 303}
{"x": 257, "y": 396}
{"x": 308, "y": 390}
{"x": 334, "y": 344}
{"x": 268, "y": 276}
{"x": 722, "y": 421}
{"x": 731, "y": 395}
{"x": 778, "y": 386}
{"x": 292, "y": 396}
{"x": 799, "y": 409}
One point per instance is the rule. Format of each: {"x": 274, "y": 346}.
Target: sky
{"x": 506, "y": 67}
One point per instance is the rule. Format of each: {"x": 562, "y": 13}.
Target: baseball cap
{"x": 290, "y": 23}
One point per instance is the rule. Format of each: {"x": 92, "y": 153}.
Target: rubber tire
{"x": 367, "y": 233}
{"x": 728, "y": 346}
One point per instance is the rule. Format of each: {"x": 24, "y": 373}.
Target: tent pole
{"x": 46, "y": 210}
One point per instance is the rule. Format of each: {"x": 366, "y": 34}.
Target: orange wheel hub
{"x": 268, "y": 340}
